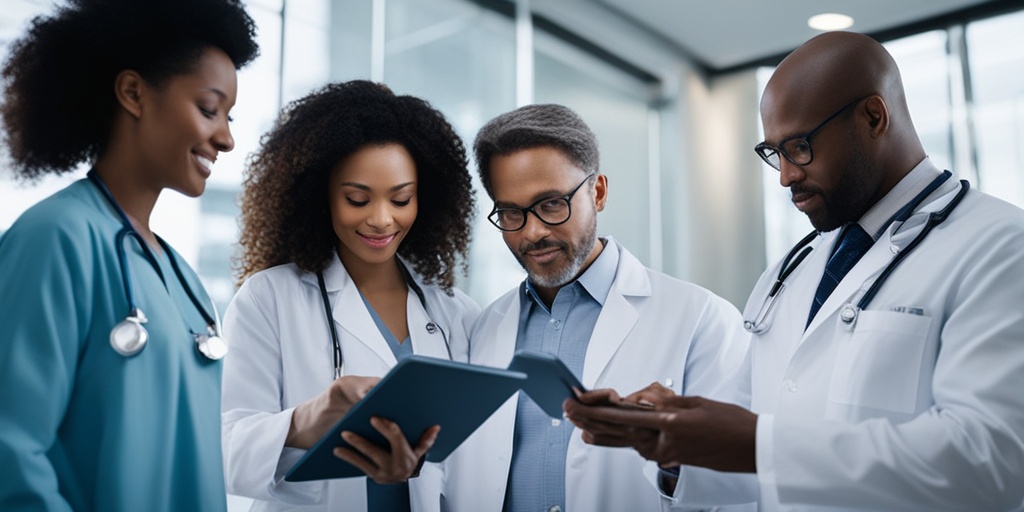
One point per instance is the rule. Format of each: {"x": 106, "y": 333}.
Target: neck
{"x": 131, "y": 193}
{"x": 373, "y": 277}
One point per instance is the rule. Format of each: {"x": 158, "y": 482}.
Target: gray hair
{"x": 534, "y": 126}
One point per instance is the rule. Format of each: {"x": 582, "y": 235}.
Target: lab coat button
{"x": 555, "y": 422}
{"x": 555, "y": 508}
{"x": 895, "y": 249}
{"x": 790, "y": 385}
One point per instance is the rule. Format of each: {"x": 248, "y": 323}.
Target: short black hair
{"x": 285, "y": 209}
{"x": 533, "y": 126}
{"x": 59, "y": 101}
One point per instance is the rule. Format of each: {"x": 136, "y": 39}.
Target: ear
{"x": 878, "y": 116}
{"x": 128, "y": 88}
{"x": 600, "y": 191}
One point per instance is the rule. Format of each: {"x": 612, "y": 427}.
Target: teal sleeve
{"x": 44, "y": 300}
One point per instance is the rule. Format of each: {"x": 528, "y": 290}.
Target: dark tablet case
{"x": 417, "y": 393}
{"x": 549, "y": 382}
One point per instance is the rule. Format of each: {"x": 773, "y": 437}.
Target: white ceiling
{"x": 721, "y": 34}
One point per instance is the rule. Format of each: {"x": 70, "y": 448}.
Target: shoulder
{"x": 281, "y": 279}
{"x": 63, "y": 226}
{"x": 501, "y": 304}
{"x": 667, "y": 291}
{"x": 986, "y": 210}
{"x": 456, "y": 304}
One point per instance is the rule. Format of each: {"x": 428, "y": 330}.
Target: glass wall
{"x": 995, "y": 50}
{"x": 461, "y": 58}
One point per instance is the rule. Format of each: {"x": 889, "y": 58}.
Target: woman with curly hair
{"x": 356, "y": 213}
{"x": 100, "y": 413}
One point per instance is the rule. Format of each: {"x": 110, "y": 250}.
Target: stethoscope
{"x": 130, "y": 336}
{"x": 849, "y": 312}
{"x": 431, "y": 327}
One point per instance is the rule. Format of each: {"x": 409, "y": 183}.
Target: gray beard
{"x": 572, "y": 269}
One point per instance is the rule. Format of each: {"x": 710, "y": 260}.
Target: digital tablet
{"x": 418, "y": 393}
{"x": 548, "y": 381}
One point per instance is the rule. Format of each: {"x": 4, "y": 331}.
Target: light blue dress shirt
{"x": 537, "y": 473}
{"x": 388, "y": 497}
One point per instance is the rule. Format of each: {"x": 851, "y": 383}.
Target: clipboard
{"x": 549, "y": 382}
{"x": 417, "y": 393}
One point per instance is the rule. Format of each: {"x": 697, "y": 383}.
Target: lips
{"x": 205, "y": 163}
{"x": 541, "y": 253}
{"x": 802, "y": 199}
{"x": 377, "y": 241}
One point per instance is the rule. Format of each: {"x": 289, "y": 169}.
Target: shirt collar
{"x": 879, "y": 216}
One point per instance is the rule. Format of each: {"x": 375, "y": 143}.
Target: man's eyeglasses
{"x": 796, "y": 149}
{"x": 550, "y": 210}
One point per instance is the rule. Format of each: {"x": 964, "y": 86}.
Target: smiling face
{"x": 184, "y": 123}
{"x": 551, "y": 255}
{"x": 372, "y": 195}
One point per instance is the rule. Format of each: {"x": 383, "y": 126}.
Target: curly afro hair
{"x": 285, "y": 209}
{"x": 59, "y": 101}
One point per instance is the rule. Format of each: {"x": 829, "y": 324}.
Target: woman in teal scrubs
{"x": 139, "y": 91}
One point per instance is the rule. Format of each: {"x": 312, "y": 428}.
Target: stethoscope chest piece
{"x": 848, "y": 314}
{"x": 129, "y": 336}
{"x": 211, "y": 346}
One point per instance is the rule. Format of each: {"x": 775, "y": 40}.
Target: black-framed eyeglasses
{"x": 550, "y": 210}
{"x": 796, "y": 149}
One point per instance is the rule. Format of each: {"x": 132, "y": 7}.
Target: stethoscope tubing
{"x": 126, "y": 231}
{"x": 800, "y": 251}
{"x": 335, "y": 340}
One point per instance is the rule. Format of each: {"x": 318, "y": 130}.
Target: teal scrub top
{"x": 82, "y": 427}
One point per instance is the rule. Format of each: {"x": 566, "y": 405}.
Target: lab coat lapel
{"x": 618, "y": 316}
{"x": 423, "y": 341}
{"x": 351, "y": 314}
{"x": 493, "y": 339}
{"x": 854, "y": 283}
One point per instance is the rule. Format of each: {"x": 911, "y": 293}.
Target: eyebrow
{"x": 217, "y": 91}
{"x": 547, "y": 194}
{"x": 367, "y": 188}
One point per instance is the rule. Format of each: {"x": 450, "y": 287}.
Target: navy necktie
{"x": 853, "y": 244}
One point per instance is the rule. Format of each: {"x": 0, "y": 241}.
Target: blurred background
{"x": 671, "y": 88}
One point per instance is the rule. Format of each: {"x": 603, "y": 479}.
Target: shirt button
{"x": 555, "y": 508}
{"x": 790, "y": 385}
{"x": 555, "y": 422}
{"x": 556, "y": 324}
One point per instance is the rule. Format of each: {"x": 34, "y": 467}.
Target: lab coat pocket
{"x": 878, "y": 363}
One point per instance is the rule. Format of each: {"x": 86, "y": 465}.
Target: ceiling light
{"x": 829, "y": 21}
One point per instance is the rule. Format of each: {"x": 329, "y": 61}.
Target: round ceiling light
{"x": 830, "y": 21}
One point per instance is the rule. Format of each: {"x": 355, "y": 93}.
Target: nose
{"x": 381, "y": 215}
{"x": 222, "y": 139}
{"x": 790, "y": 173}
{"x": 535, "y": 229}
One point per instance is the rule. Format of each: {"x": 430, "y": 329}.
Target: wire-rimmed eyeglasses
{"x": 796, "y": 149}
{"x": 550, "y": 210}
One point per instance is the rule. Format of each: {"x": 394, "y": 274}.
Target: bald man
{"x": 902, "y": 392}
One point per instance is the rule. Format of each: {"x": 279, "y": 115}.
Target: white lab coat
{"x": 282, "y": 354}
{"x": 920, "y": 404}
{"x": 652, "y": 328}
